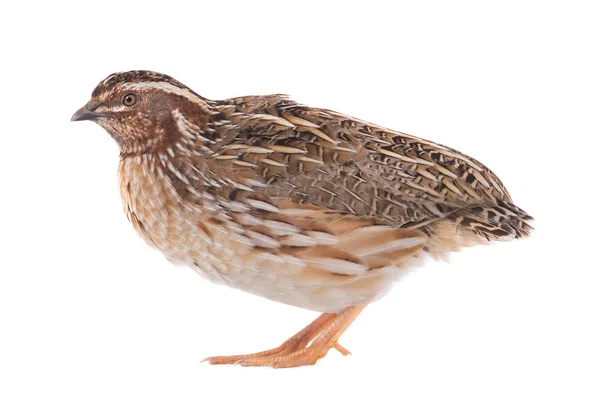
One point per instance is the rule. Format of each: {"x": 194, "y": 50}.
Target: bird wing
{"x": 327, "y": 159}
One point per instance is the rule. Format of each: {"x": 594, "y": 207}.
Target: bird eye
{"x": 129, "y": 99}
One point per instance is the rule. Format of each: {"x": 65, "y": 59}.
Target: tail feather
{"x": 477, "y": 225}
{"x": 499, "y": 222}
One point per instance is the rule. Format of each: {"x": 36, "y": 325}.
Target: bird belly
{"x": 223, "y": 257}
{"x": 187, "y": 236}
{"x": 286, "y": 279}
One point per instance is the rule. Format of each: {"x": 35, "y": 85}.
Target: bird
{"x": 300, "y": 205}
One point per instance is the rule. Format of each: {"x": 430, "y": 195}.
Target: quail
{"x": 301, "y": 205}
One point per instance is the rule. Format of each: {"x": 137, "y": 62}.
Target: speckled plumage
{"x": 301, "y": 205}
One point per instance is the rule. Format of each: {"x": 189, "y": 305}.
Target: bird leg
{"x": 299, "y": 340}
{"x": 294, "y": 352}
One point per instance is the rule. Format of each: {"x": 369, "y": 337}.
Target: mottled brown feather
{"x": 239, "y": 187}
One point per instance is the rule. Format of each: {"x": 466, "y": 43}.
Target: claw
{"x": 341, "y": 349}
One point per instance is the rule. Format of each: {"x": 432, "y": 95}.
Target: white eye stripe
{"x": 165, "y": 87}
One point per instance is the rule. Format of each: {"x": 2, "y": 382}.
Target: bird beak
{"x": 87, "y": 112}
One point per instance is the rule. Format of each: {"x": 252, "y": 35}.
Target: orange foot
{"x": 324, "y": 333}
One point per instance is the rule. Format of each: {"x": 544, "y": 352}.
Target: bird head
{"x": 145, "y": 111}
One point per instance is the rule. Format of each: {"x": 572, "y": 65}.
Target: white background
{"x": 88, "y": 311}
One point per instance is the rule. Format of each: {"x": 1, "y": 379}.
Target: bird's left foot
{"x": 307, "y": 356}
{"x": 295, "y": 351}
